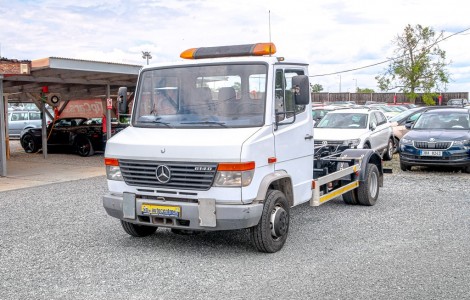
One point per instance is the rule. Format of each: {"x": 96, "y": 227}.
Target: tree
{"x": 316, "y": 87}
{"x": 366, "y": 90}
{"x": 419, "y": 64}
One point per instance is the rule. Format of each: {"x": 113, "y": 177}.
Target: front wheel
{"x": 388, "y": 155}
{"x": 28, "y": 144}
{"x": 405, "y": 167}
{"x": 137, "y": 230}
{"x": 271, "y": 232}
{"x": 368, "y": 190}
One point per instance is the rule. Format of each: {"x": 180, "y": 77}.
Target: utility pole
{"x": 146, "y": 55}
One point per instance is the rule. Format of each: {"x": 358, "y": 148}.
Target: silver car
{"x": 23, "y": 119}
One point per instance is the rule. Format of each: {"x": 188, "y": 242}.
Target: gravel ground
{"x": 56, "y": 242}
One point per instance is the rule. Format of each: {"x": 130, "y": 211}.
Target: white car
{"x": 356, "y": 128}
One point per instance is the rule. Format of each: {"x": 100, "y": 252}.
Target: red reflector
{"x": 111, "y": 162}
{"x": 272, "y": 160}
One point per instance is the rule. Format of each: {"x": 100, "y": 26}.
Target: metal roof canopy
{"x": 71, "y": 78}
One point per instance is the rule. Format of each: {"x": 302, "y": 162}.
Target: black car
{"x": 440, "y": 137}
{"x": 81, "y": 135}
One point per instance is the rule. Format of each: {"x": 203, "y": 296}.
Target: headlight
{"x": 234, "y": 174}
{"x": 113, "y": 171}
{"x": 405, "y": 141}
{"x": 352, "y": 143}
{"x": 462, "y": 142}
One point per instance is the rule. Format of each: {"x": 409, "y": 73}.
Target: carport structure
{"x": 69, "y": 78}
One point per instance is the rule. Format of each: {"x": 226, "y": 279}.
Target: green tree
{"x": 419, "y": 65}
{"x": 366, "y": 90}
{"x": 316, "y": 87}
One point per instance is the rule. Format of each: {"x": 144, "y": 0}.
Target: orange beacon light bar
{"x": 230, "y": 51}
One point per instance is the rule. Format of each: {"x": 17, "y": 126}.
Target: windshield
{"x": 402, "y": 115}
{"x": 343, "y": 120}
{"x": 443, "y": 120}
{"x": 210, "y": 96}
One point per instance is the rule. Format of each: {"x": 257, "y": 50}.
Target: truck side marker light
{"x": 111, "y": 162}
{"x": 244, "y": 166}
{"x": 272, "y": 160}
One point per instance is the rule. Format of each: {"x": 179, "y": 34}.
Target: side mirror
{"x": 301, "y": 89}
{"x": 408, "y": 125}
{"x": 122, "y": 100}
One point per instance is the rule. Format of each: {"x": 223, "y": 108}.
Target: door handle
{"x": 309, "y": 137}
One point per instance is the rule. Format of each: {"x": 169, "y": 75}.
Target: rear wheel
{"x": 137, "y": 230}
{"x": 28, "y": 144}
{"x": 271, "y": 232}
{"x": 368, "y": 190}
{"x": 388, "y": 155}
{"x": 84, "y": 147}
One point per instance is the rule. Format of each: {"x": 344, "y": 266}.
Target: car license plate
{"x": 161, "y": 210}
{"x": 431, "y": 153}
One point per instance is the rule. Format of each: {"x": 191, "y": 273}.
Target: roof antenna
{"x": 269, "y": 22}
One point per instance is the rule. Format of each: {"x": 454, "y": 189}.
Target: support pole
{"x": 3, "y": 156}
{"x": 108, "y": 114}
{"x": 44, "y": 128}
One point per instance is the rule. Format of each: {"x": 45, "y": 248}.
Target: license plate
{"x": 431, "y": 153}
{"x": 161, "y": 210}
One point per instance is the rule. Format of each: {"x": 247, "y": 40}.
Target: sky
{"x": 343, "y": 41}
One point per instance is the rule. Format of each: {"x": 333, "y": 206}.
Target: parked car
{"x": 458, "y": 102}
{"x": 18, "y": 120}
{"x": 81, "y": 135}
{"x": 440, "y": 137}
{"x": 356, "y": 128}
{"x": 318, "y": 112}
{"x": 406, "y": 117}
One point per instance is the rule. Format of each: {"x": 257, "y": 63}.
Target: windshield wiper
{"x": 156, "y": 122}
{"x": 222, "y": 124}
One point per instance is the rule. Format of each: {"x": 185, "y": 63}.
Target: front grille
{"x": 329, "y": 143}
{"x": 194, "y": 176}
{"x": 432, "y": 145}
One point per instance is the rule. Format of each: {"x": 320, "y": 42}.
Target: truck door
{"x": 293, "y": 142}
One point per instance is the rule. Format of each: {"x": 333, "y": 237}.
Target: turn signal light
{"x": 245, "y": 166}
{"x": 111, "y": 162}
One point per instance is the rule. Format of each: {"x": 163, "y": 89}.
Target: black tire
{"x": 271, "y": 232}
{"x": 405, "y": 167}
{"x": 350, "y": 197}
{"x": 396, "y": 142}
{"x": 467, "y": 169}
{"x": 28, "y": 144}
{"x": 366, "y": 146}
{"x": 368, "y": 190}
{"x": 388, "y": 155}
{"x": 137, "y": 230}
{"x": 84, "y": 147}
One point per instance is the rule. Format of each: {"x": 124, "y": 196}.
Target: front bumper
{"x": 205, "y": 214}
{"x": 450, "y": 157}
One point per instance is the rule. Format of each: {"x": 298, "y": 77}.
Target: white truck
{"x": 223, "y": 140}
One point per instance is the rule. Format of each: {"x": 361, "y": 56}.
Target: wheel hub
{"x": 279, "y": 222}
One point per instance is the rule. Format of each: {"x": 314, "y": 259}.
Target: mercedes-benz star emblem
{"x": 432, "y": 139}
{"x": 163, "y": 174}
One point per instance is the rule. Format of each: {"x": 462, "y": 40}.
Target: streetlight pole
{"x": 146, "y": 55}
{"x": 339, "y": 83}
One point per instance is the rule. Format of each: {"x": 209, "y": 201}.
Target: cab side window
{"x": 284, "y": 101}
{"x": 381, "y": 119}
